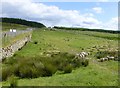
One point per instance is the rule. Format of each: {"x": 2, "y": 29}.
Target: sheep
{"x": 103, "y": 59}
{"x": 81, "y": 55}
{"x": 11, "y": 30}
{"x": 14, "y": 30}
{"x": 84, "y": 54}
{"x": 110, "y": 58}
{"x": 100, "y": 60}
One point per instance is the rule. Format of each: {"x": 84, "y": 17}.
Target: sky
{"x": 92, "y": 14}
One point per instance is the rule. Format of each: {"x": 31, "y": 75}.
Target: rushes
{"x": 33, "y": 67}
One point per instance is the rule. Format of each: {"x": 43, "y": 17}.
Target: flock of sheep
{"x": 107, "y": 58}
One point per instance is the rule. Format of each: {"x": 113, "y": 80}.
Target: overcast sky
{"x": 103, "y": 14}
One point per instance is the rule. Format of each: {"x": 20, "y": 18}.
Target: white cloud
{"x": 112, "y": 24}
{"x": 103, "y": 0}
{"x": 50, "y": 15}
{"x": 75, "y": 0}
{"x": 98, "y": 9}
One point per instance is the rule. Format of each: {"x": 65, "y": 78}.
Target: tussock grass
{"x": 33, "y": 67}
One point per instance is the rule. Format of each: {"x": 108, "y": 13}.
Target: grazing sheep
{"x": 48, "y": 55}
{"x": 110, "y": 58}
{"x": 14, "y": 30}
{"x": 10, "y": 30}
{"x": 81, "y": 55}
{"x": 84, "y": 54}
{"x": 103, "y": 59}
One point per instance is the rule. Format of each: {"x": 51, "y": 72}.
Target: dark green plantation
{"x": 22, "y": 22}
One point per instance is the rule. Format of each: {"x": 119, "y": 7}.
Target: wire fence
{"x": 8, "y": 36}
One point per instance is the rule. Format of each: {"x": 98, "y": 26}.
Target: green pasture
{"x": 6, "y": 41}
{"x": 8, "y": 26}
{"x": 95, "y": 74}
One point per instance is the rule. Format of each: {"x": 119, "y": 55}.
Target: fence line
{"x": 7, "y": 36}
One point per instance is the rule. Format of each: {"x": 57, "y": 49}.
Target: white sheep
{"x": 11, "y": 30}
{"x": 14, "y": 30}
{"x": 110, "y": 58}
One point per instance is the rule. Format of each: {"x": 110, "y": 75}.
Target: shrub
{"x": 38, "y": 69}
{"x": 6, "y": 72}
{"x": 32, "y": 67}
{"x": 16, "y": 69}
{"x": 77, "y": 62}
{"x": 13, "y": 81}
{"x": 49, "y": 69}
{"x": 25, "y": 71}
{"x": 67, "y": 69}
{"x": 85, "y": 62}
{"x": 10, "y": 61}
{"x": 35, "y": 73}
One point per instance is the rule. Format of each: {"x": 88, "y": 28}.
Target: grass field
{"x": 6, "y": 41}
{"x": 11, "y": 38}
{"x": 95, "y": 74}
{"x": 8, "y": 26}
{"x": 64, "y": 41}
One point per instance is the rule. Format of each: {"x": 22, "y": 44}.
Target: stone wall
{"x": 11, "y": 49}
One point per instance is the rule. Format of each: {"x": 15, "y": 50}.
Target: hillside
{"x": 22, "y": 22}
{"x": 49, "y": 59}
{"x": 95, "y": 74}
{"x": 8, "y": 26}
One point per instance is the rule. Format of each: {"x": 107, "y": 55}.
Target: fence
{"x": 9, "y": 36}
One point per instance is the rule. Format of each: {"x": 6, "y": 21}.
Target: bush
{"x": 85, "y": 62}
{"x": 49, "y": 69}
{"x": 16, "y": 70}
{"x": 13, "y": 81}
{"x": 32, "y": 67}
{"x": 10, "y": 61}
{"x": 25, "y": 71}
{"x": 6, "y": 72}
{"x": 77, "y": 62}
{"x": 67, "y": 69}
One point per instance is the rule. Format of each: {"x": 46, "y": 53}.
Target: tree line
{"x": 86, "y": 29}
{"x": 22, "y": 22}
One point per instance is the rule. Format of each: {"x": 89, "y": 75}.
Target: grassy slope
{"x": 9, "y": 40}
{"x": 8, "y": 26}
{"x": 96, "y": 74}
{"x": 57, "y": 40}
{"x": 93, "y": 75}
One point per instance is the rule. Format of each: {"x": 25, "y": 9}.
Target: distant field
{"x": 57, "y": 40}
{"x": 8, "y": 26}
{"x": 95, "y": 74}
